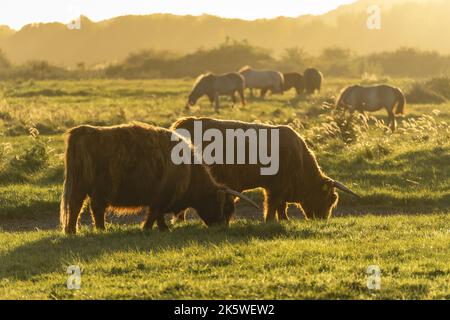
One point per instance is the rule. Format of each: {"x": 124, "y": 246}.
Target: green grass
{"x": 402, "y": 172}
{"x": 406, "y": 172}
{"x": 295, "y": 260}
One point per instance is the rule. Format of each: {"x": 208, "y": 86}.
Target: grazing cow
{"x": 372, "y": 99}
{"x": 130, "y": 166}
{"x": 313, "y": 80}
{"x": 294, "y": 80}
{"x": 214, "y": 86}
{"x": 263, "y": 79}
{"x": 299, "y": 179}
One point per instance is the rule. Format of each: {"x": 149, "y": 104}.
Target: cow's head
{"x": 218, "y": 207}
{"x": 323, "y": 198}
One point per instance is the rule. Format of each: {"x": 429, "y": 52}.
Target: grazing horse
{"x": 373, "y": 99}
{"x": 294, "y": 80}
{"x": 313, "y": 80}
{"x": 263, "y": 79}
{"x": 214, "y": 86}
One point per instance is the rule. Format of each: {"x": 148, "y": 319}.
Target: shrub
{"x": 439, "y": 85}
{"x": 33, "y": 158}
{"x": 421, "y": 93}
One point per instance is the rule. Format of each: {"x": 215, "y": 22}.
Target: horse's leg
{"x": 242, "y": 96}
{"x": 392, "y": 121}
{"x": 216, "y": 103}
{"x": 263, "y": 92}
{"x": 233, "y": 98}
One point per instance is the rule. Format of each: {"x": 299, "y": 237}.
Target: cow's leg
{"x": 251, "y": 93}
{"x": 75, "y": 204}
{"x": 179, "y": 217}
{"x": 161, "y": 222}
{"x": 150, "y": 219}
{"x": 98, "y": 213}
{"x": 282, "y": 212}
{"x": 271, "y": 205}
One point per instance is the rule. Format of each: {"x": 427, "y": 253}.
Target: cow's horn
{"x": 340, "y": 186}
{"x": 242, "y": 196}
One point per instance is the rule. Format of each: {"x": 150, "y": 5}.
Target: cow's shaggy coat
{"x": 130, "y": 166}
{"x": 299, "y": 179}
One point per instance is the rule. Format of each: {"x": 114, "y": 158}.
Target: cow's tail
{"x": 401, "y": 102}
{"x": 77, "y": 166}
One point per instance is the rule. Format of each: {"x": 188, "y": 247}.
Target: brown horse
{"x": 214, "y": 86}
{"x": 294, "y": 80}
{"x": 372, "y": 99}
{"x": 313, "y": 80}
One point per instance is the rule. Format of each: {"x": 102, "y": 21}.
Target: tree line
{"x": 231, "y": 55}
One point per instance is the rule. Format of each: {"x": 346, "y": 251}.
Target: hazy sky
{"x": 16, "y": 13}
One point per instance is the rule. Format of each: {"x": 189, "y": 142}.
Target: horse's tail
{"x": 401, "y": 102}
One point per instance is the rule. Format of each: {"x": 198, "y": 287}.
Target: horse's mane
{"x": 245, "y": 68}
{"x": 343, "y": 93}
{"x": 200, "y": 77}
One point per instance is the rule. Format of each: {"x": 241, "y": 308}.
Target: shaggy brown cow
{"x": 313, "y": 80}
{"x": 294, "y": 80}
{"x": 130, "y": 166}
{"x": 299, "y": 179}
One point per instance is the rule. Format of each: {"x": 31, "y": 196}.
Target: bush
{"x": 421, "y": 93}
{"x": 33, "y": 158}
{"x": 345, "y": 127}
{"x": 440, "y": 86}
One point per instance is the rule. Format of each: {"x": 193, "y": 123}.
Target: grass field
{"x": 401, "y": 223}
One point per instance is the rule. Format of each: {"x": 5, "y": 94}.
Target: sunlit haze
{"x": 17, "y": 13}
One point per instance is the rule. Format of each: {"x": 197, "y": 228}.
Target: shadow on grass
{"x": 53, "y": 253}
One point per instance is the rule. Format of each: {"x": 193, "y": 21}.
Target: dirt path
{"x": 51, "y": 221}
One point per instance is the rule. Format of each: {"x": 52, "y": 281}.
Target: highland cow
{"x": 299, "y": 179}
{"x": 130, "y": 166}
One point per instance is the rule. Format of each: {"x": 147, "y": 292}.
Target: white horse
{"x": 263, "y": 79}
